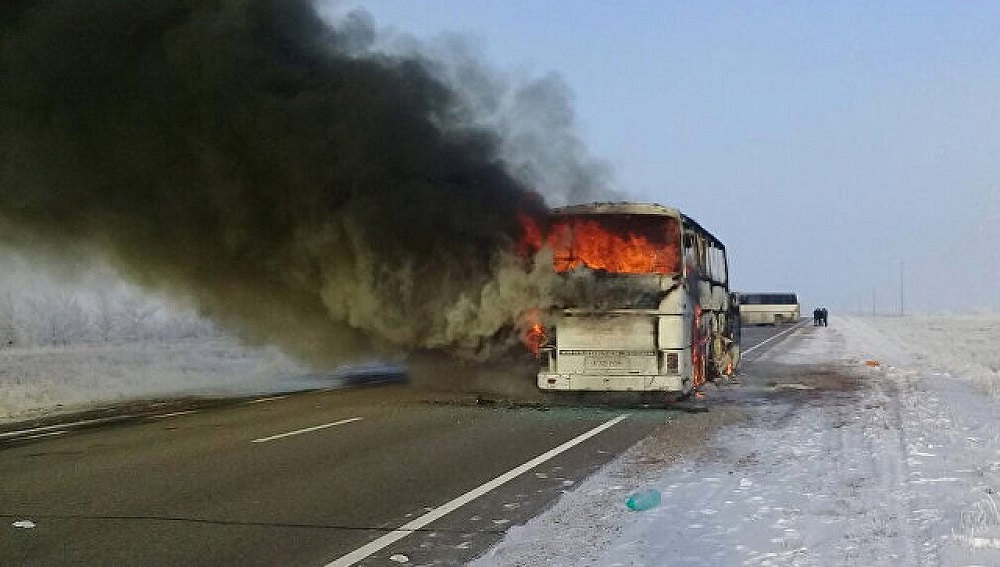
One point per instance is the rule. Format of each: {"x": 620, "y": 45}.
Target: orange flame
{"x": 698, "y": 341}
{"x": 533, "y": 336}
{"x": 532, "y": 238}
{"x": 622, "y": 244}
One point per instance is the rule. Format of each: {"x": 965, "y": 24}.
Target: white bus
{"x": 647, "y": 306}
{"x": 769, "y": 308}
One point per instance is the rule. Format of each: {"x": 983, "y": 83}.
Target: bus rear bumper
{"x": 599, "y": 383}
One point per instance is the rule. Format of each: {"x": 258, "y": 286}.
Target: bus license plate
{"x": 598, "y": 362}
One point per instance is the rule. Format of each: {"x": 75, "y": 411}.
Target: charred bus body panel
{"x": 657, "y": 314}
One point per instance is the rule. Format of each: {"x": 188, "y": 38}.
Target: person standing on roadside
{"x": 817, "y": 313}
{"x": 823, "y": 314}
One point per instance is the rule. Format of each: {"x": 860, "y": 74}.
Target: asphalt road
{"x": 303, "y": 479}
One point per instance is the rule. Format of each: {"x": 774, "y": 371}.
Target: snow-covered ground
{"x": 76, "y": 337}
{"x": 37, "y": 380}
{"x": 840, "y": 462}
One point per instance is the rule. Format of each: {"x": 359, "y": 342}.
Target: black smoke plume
{"x": 290, "y": 181}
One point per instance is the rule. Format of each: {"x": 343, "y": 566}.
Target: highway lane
{"x": 298, "y": 480}
{"x": 196, "y": 489}
{"x": 756, "y": 340}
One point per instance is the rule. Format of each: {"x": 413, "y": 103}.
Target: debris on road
{"x": 643, "y": 500}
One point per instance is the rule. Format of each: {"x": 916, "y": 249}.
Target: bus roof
{"x": 628, "y": 208}
{"x": 621, "y": 208}
{"x": 766, "y": 293}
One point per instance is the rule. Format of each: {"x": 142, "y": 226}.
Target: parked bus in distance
{"x": 647, "y": 305}
{"x": 769, "y": 308}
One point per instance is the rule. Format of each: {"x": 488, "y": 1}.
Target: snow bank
{"x": 902, "y": 470}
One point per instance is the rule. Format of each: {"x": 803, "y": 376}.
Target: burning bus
{"x": 643, "y": 302}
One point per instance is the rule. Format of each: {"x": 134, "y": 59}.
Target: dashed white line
{"x": 172, "y": 414}
{"x": 306, "y": 430}
{"x": 456, "y": 503}
{"x": 260, "y": 400}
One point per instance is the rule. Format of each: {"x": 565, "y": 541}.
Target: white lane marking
{"x": 259, "y": 400}
{"x": 172, "y": 414}
{"x": 781, "y": 334}
{"x": 20, "y": 432}
{"x": 306, "y": 430}
{"x": 40, "y": 435}
{"x": 448, "y": 507}
{"x": 24, "y": 524}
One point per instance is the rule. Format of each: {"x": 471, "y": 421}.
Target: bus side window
{"x": 723, "y": 267}
{"x": 703, "y": 255}
{"x": 720, "y": 266}
{"x": 702, "y": 261}
{"x": 713, "y": 262}
{"x": 690, "y": 255}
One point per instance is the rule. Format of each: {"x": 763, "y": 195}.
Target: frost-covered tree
{"x": 38, "y": 309}
{"x": 106, "y": 318}
{"x": 137, "y": 315}
{"x": 60, "y": 320}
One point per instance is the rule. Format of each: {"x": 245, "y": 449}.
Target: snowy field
{"x": 39, "y": 380}
{"x": 75, "y": 339}
{"x": 841, "y": 462}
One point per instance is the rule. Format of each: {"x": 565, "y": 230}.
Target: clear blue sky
{"x": 825, "y": 143}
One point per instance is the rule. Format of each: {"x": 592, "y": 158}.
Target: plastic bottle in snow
{"x": 643, "y": 500}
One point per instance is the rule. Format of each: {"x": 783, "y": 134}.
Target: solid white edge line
{"x": 306, "y": 430}
{"x": 40, "y": 435}
{"x": 66, "y": 426}
{"x": 456, "y": 503}
{"x": 781, "y": 334}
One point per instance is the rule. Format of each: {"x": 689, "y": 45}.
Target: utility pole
{"x": 902, "y": 289}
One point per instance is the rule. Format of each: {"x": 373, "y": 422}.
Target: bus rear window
{"x": 618, "y": 244}
{"x": 768, "y": 299}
